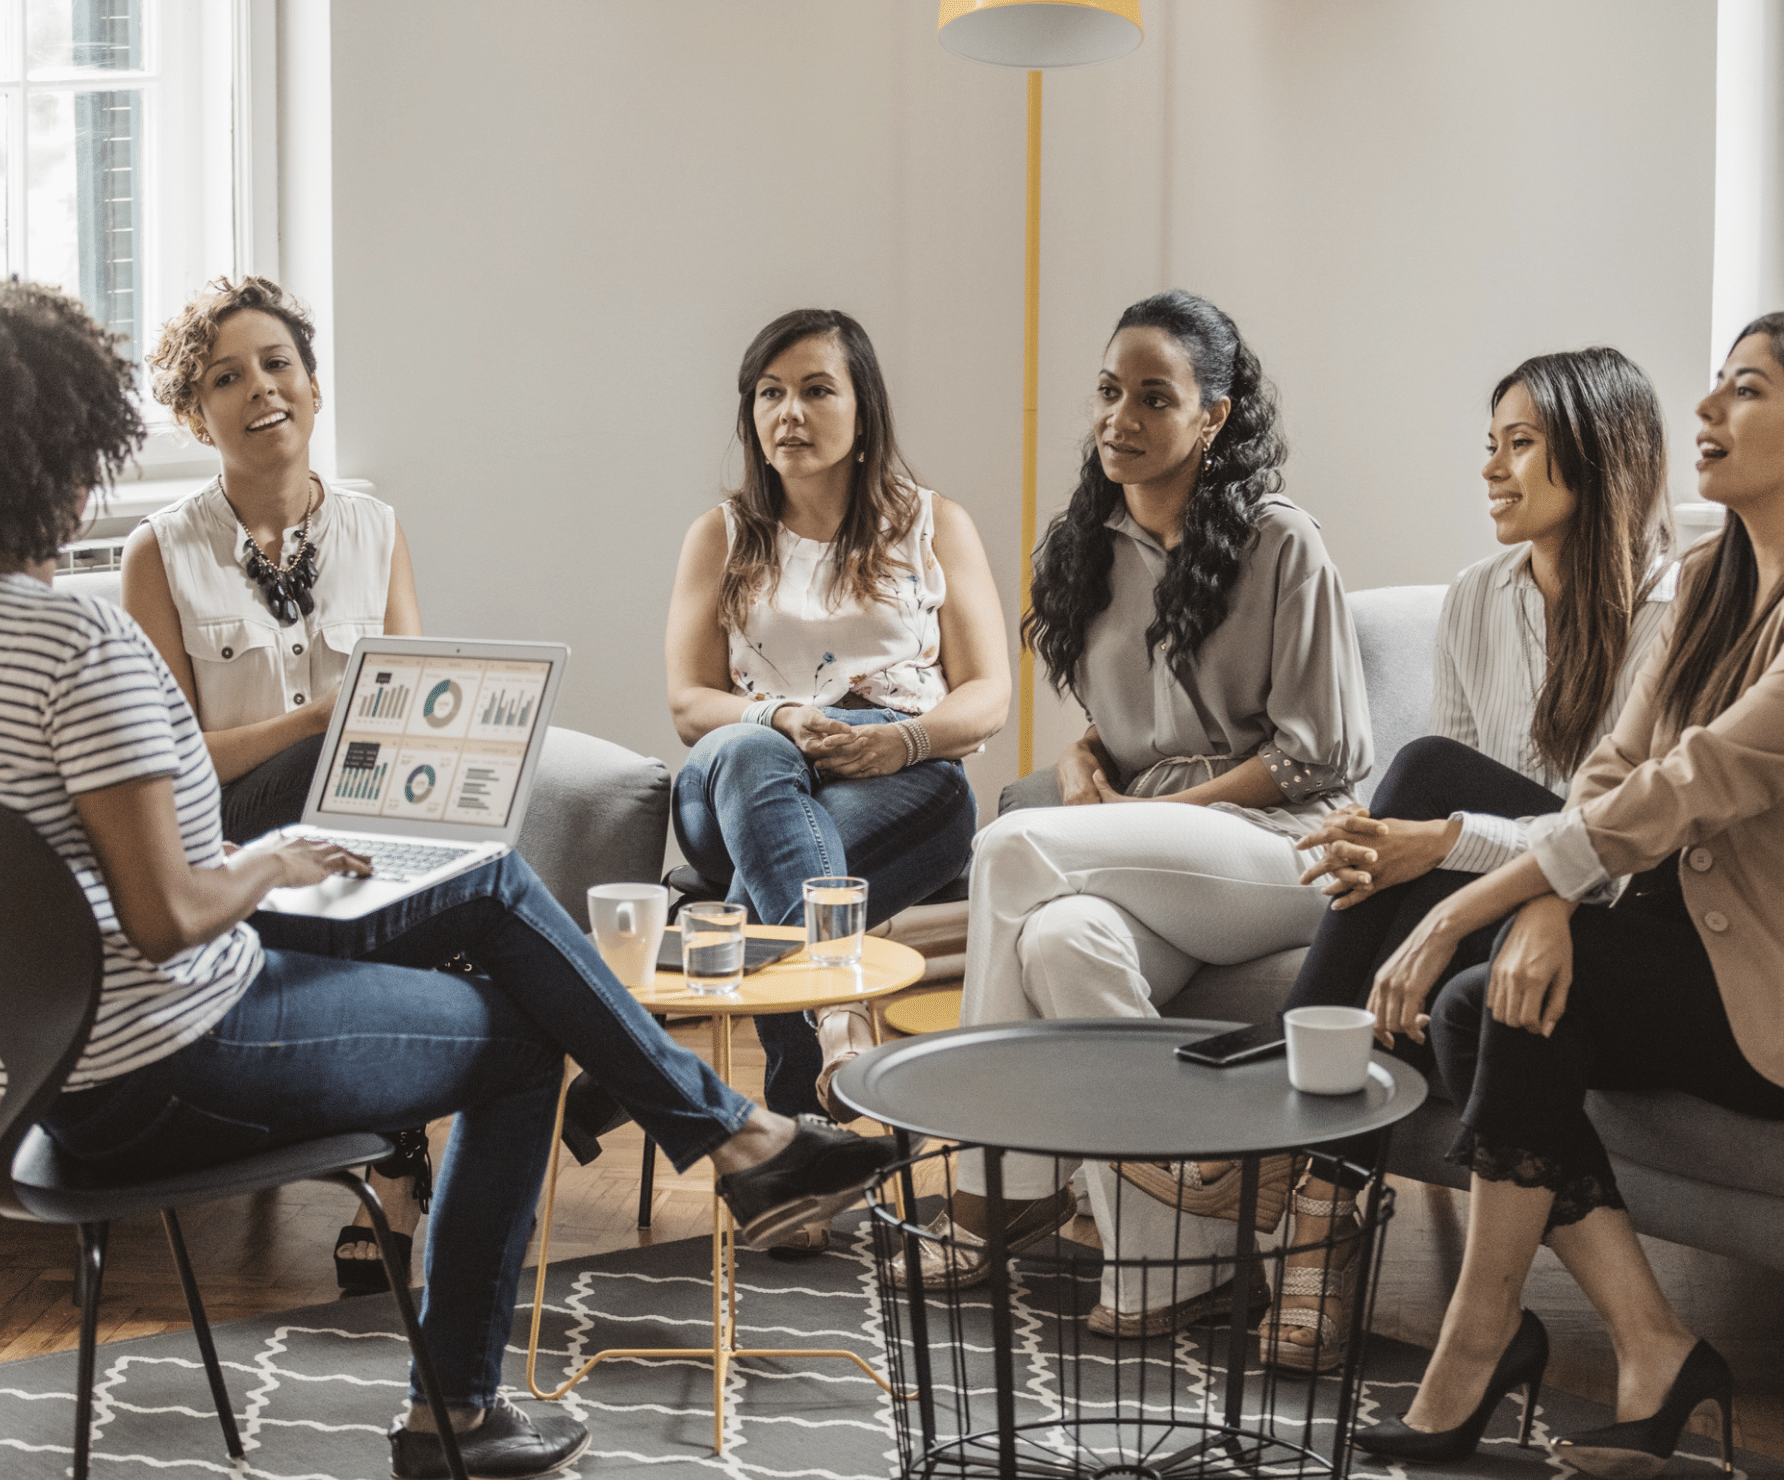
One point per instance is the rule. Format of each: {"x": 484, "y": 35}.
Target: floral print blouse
{"x": 805, "y": 643}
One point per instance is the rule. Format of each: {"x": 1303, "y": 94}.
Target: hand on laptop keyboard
{"x": 400, "y": 862}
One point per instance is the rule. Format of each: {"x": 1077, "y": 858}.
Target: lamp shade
{"x": 1040, "y": 33}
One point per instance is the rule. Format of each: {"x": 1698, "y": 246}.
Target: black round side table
{"x": 1103, "y": 1394}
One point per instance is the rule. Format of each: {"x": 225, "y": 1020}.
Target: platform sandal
{"x": 1331, "y": 1335}
{"x": 835, "y": 1109}
{"x": 1179, "y": 1184}
{"x": 358, "y": 1276}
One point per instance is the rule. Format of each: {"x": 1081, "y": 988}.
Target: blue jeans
{"x": 346, "y": 1028}
{"x": 751, "y": 814}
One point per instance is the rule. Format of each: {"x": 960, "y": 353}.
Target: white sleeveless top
{"x": 802, "y": 645}
{"x": 245, "y": 666}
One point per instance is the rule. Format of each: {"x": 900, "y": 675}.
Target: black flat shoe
{"x": 366, "y": 1276}
{"x": 507, "y": 1445}
{"x": 1520, "y": 1365}
{"x": 818, "y": 1174}
{"x": 1641, "y": 1448}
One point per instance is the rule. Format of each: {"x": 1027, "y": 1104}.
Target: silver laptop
{"x": 427, "y": 766}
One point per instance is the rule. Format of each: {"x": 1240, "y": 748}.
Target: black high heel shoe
{"x": 1520, "y": 1365}
{"x": 1639, "y": 1449}
{"x": 358, "y": 1276}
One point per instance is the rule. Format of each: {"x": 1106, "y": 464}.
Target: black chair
{"x": 51, "y": 972}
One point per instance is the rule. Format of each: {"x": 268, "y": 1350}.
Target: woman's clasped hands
{"x": 840, "y": 751}
{"x": 1364, "y": 853}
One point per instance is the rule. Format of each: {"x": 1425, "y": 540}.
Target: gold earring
{"x": 202, "y": 435}
{"x": 316, "y": 405}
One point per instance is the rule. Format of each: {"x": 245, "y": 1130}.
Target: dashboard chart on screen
{"x": 441, "y": 739}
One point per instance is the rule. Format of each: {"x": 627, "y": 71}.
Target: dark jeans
{"x": 345, "y": 1029}
{"x": 1431, "y": 777}
{"x": 272, "y": 794}
{"x": 751, "y": 813}
{"x": 1644, "y": 1012}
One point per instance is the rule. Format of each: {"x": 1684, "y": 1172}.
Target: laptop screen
{"x": 434, "y": 739}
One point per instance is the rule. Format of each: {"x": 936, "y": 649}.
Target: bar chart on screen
{"x": 384, "y": 697}
{"x": 508, "y": 701}
{"x": 485, "y": 789}
{"x": 358, "y": 783}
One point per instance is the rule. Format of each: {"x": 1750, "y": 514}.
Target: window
{"x": 117, "y": 152}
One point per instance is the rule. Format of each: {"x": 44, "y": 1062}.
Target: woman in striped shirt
{"x": 1537, "y": 649}
{"x": 210, "y": 1043}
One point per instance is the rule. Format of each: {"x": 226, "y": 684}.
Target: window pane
{"x": 102, "y": 35}
{"x": 86, "y": 201}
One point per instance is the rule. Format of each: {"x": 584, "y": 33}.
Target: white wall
{"x": 557, "y": 223}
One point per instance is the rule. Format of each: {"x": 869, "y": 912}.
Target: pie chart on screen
{"x": 442, "y": 703}
{"x": 420, "y": 785}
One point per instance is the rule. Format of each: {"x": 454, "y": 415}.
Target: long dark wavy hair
{"x": 1071, "y": 572}
{"x": 1717, "y": 627}
{"x": 882, "y": 502}
{"x": 1606, "y": 446}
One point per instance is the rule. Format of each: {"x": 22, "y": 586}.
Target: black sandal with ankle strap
{"x": 358, "y": 1276}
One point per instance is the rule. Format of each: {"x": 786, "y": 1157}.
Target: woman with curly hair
{"x": 256, "y": 587}
{"x": 222, "y": 1032}
{"x": 835, "y": 645}
{"x": 254, "y": 590}
{"x": 1193, "y": 612}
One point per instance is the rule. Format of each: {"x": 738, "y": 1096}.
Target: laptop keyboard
{"x": 398, "y": 863}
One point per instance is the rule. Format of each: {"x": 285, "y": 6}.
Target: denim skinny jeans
{"x": 347, "y": 1028}
{"x": 752, "y": 814}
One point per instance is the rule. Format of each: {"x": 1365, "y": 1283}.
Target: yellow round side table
{"x": 796, "y": 984}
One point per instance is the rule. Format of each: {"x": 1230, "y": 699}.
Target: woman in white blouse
{"x": 835, "y": 645}
{"x": 254, "y": 590}
{"x": 1537, "y": 650}
{"x": 256, "y": 587}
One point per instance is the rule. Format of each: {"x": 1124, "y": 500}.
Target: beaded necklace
{"x": 286, "y": 587}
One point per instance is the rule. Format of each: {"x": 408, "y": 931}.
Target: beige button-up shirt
{"x": 1715, "y": 791}
{"x": 1280, "y": 678}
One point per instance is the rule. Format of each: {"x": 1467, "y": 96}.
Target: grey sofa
{"x": 599, "y": 813}
{"x": 1690, "y": 1171}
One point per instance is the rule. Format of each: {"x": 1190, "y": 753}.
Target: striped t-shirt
{"x": 1492, "y": 657}
{"x": 85, "y": 703}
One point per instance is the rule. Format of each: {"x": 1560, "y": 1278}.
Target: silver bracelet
{"x": 762, "y": 711}
{"x": 916, "y": 741}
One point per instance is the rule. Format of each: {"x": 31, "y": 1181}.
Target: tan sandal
{"x": 954, "y": 1259}
{"x": 835, "y": 1109}
{"x": 1179, "y": 1184}
{"x": 1331, "y": 1334}
{"x": 1210, "y": 1308}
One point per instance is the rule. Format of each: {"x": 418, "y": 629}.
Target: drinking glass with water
{"x": 712, "y": 947}
{"x": 835, "y": 920}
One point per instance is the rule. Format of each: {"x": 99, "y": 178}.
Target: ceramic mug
{"x": 628, "y": 921}
{"x": 1328, "y": 1048}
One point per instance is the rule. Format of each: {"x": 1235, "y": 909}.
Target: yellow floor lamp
{"x": 1035, "y": 34}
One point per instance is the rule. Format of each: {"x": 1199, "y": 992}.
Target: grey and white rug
{"x": 315, "y": 1388}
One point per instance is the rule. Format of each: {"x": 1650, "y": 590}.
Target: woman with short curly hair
{"x": 257, "y": 586}
{"x": 1194, "y": 613}
{"x": 255, "y": 589}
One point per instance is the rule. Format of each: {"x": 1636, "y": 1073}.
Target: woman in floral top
{"x": 835, "y": 646}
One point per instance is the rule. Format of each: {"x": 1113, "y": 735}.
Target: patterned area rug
{"x": 314, "y": 1389}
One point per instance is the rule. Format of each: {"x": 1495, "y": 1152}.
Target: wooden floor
{"x": 271, "y": 1252}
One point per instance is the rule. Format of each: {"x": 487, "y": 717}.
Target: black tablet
{"x": 756, "y": 953}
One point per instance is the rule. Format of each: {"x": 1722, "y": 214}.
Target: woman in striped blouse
{"x": 216, "y": 1037}
{"x": 1537, "y": 650}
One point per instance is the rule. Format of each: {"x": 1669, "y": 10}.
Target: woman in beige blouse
{"x": 1193, "y": 612}
{"x": 1676, "y": 985}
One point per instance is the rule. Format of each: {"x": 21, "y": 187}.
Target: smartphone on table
{"x": 1241, "y": 1046}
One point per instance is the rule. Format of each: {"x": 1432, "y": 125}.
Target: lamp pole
{"x": 1031, "y": 417}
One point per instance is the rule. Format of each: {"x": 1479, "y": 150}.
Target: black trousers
{"x": 272, "y": 794}
{"x": 1431, "y": 777}
{"x": 1644, "y": 1012}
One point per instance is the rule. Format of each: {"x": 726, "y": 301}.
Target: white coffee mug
{"x": 1328, "y": 1048}
{"x": 628, "y": 921}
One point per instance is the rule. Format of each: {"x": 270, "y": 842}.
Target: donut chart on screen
{"x": 442, "y": 704}
{"x": 420, "y": 785}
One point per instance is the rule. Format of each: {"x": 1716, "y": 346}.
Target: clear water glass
{"x": 835, "y": 920}
{"x": 712, "y": 947}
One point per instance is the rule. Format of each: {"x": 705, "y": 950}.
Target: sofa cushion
{"x": 1679, "y": 1133}
{"x": 1397, "y": 633}
{"x": 1247, "y": 993}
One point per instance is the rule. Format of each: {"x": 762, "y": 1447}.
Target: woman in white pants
{"x": 1195, "y": 615}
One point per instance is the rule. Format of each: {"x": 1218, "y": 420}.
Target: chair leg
{"x": 201, "y": 1329}
{"x": 647, "y": 1181}
{"x": 399, "y": 1287}
{"x": 87, "y": 1283}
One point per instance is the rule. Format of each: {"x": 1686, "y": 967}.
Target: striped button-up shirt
{"x": 1492, "y": 654}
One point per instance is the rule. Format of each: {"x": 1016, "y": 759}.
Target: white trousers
{"x": 1108, "y": 911}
